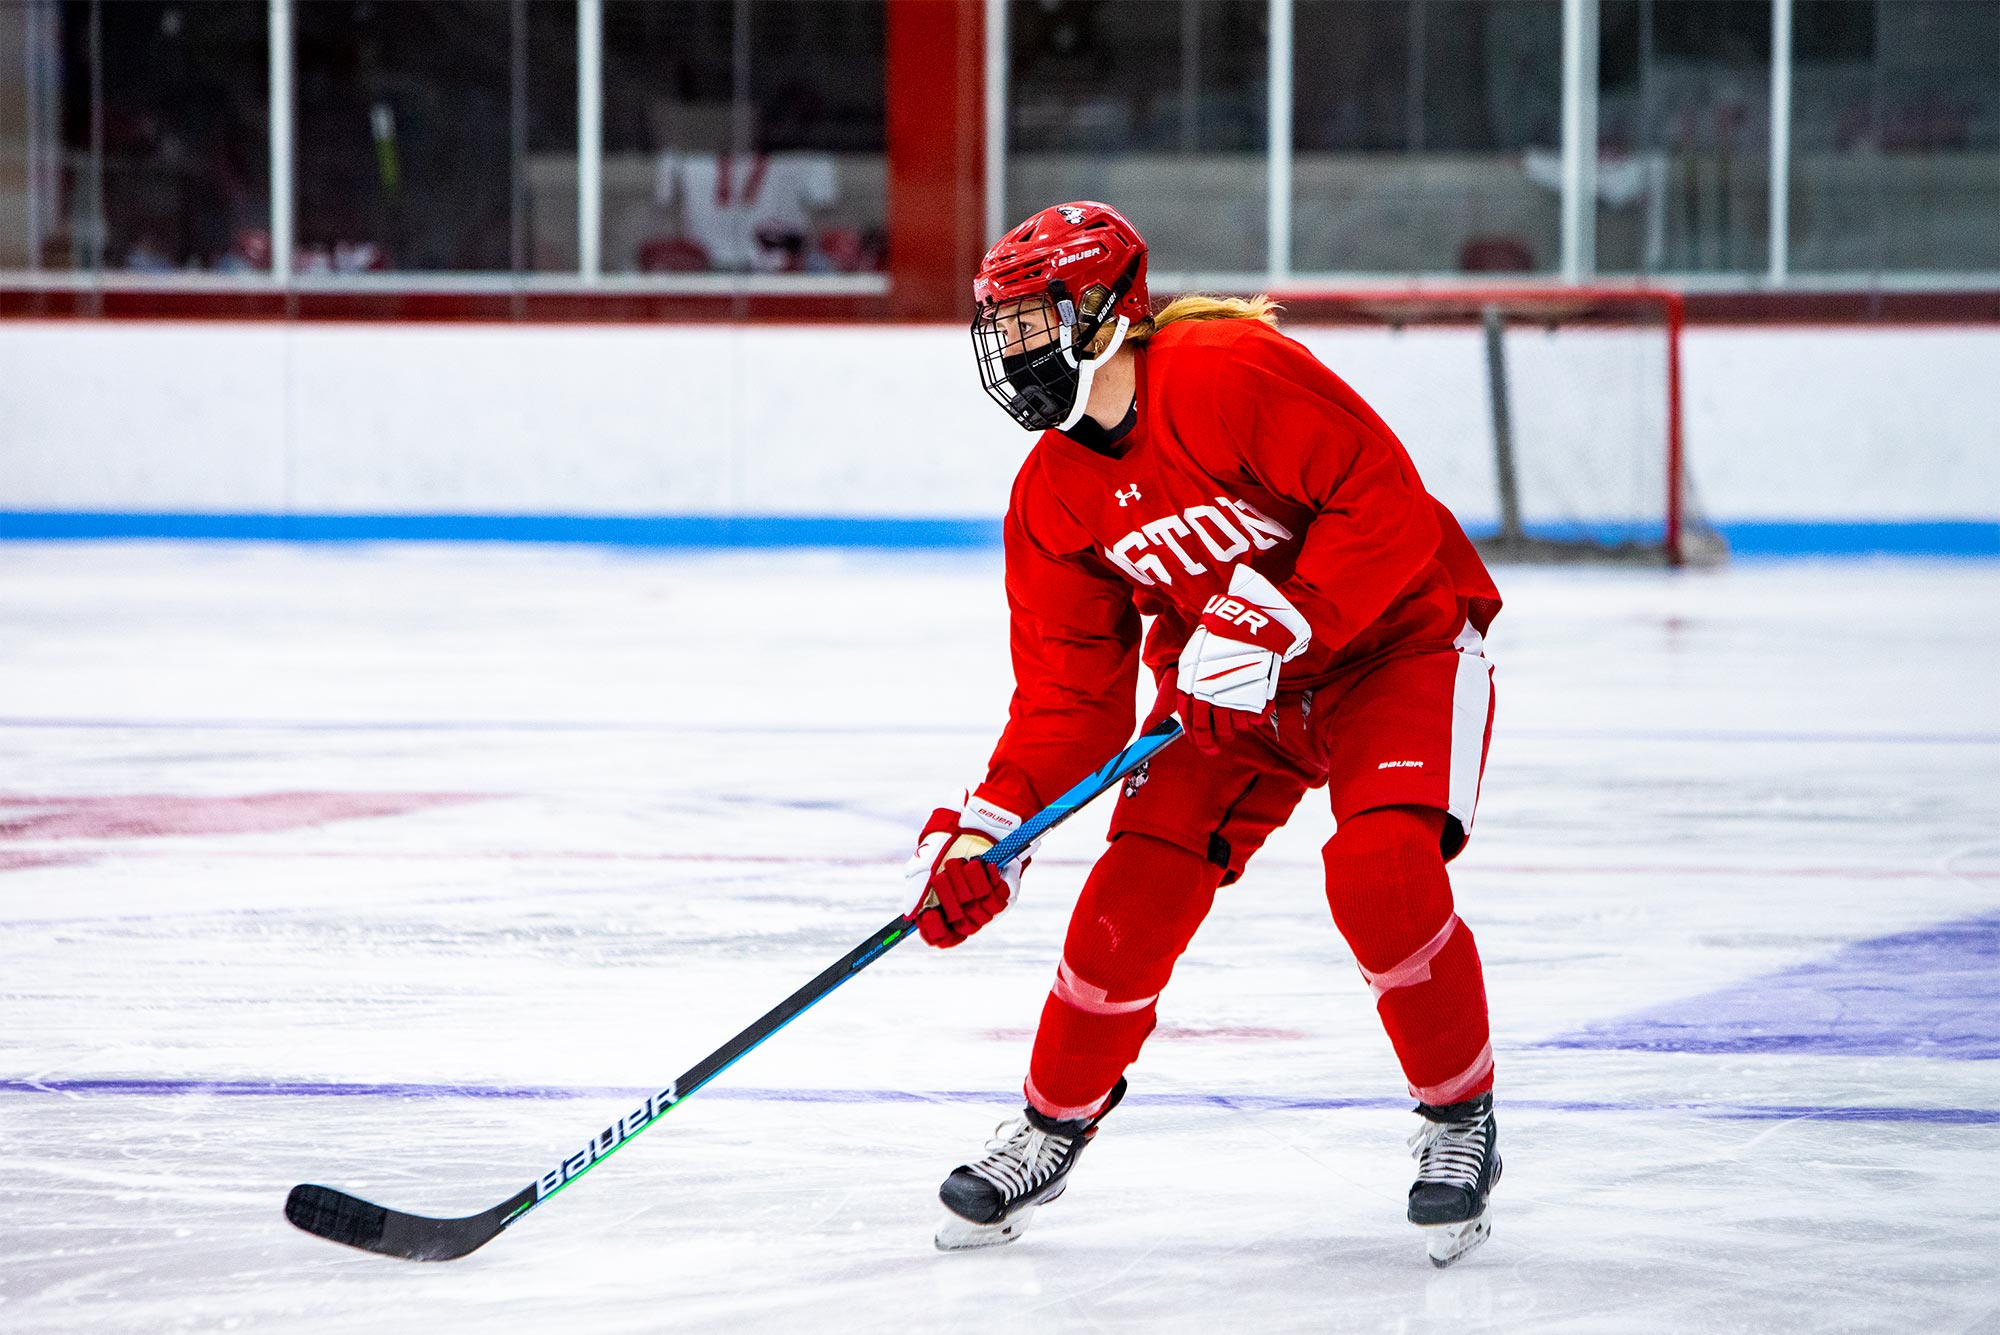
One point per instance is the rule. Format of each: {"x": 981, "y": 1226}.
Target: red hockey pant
{"x": 1401, "y": 749}
{"x": 1391, "y": 899}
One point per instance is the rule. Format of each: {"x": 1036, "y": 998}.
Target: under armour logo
{"x": 1126, "y": 496}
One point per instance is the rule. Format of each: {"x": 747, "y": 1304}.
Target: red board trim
{"x": 943, "y": 305}
{"x": 430, "y": 307}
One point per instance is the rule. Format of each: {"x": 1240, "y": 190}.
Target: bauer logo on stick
{"x": 607, "y": 1140}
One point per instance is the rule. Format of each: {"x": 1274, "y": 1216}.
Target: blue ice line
{"x": 1819, "y": 536}
{"x": 504, "y": 725}
{"x": 1697, "y": 736}
{"x": 171, "y": 1088}
{"x": 668, "y": 531}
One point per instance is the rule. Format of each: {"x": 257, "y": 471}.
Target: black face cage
{"x": 1037, "y": 382}
{"x": 1034, "y": 381}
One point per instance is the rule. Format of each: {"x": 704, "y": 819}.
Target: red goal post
{"x": 1580, "y": 396}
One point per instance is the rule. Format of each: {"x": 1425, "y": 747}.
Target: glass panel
{"x": 1427, "y": 135}
{"x": 1156, "y": 107}
{"x": 1895, "y": 135}
{"x": 169, "y": 99}
{"x": 744, "y": 138}
{"x": 26, "y": 136}
{"x": 545, "y": 95}
{"x": 412, "y": 119}
{"x": 1684, "y": 136}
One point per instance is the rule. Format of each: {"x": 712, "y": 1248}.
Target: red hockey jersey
{"x": 1245, "y": 448}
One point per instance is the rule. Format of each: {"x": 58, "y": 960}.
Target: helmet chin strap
{"x": 1086, "y": 369}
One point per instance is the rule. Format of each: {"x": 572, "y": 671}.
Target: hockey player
{"x": 1317, "y": 622}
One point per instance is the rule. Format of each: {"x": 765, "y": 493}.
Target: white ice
{"x": 695, "y": 779}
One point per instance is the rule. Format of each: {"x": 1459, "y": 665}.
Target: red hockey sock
{"x": 1386, "y": 883}
{"x": 1137, "y": 913}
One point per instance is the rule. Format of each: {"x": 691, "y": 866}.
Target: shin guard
{"x": 1391, "y": 897}
{"x": 1137, "y": 913}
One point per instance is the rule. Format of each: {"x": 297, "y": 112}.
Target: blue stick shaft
{"x": 1143, "y": 748}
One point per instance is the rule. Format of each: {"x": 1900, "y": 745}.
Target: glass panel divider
{"x": 98, "y": 225}
{"x": 997, "y": 73}
{"x": 517, "y": 138}
{"x": 280, "y": 93}
{"x": 1278, "y": 143}
{"x": 1781, "y": 140}
{"x": 590, "y": 140}
{"x": 1579, "y": 141}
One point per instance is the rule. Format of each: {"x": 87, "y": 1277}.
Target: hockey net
{"x": 1548, "y": 419}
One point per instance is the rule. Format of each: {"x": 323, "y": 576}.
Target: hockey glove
{"x": 1231, "y": 663}
{"x": 957, "y": 894}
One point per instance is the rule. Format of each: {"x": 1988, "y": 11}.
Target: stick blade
{"x": 353, "y": 1222}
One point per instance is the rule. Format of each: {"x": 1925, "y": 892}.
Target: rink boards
{"x": 1798, "y": 439}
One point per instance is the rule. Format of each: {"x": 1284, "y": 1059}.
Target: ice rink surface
{"x": 402, "y": 869}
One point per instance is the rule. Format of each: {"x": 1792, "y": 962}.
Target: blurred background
{"x": 1814, "y": 184}
{"x": 1261, "y": 138}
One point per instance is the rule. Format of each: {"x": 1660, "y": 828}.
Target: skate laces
{"x": 1019, "y": 1156}
{"x": 1451, "y": 1152}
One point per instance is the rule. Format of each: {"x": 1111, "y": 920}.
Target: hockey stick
{"x": 339, "y": 1217}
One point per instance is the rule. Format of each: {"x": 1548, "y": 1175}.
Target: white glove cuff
{"x": 983, "y": 817}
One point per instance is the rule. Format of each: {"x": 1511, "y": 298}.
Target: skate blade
{"x": 962, "y": 1235}
{"x": 1449, "y": 1243}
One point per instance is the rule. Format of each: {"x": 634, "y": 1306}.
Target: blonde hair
{"x": 1199, "y": 306}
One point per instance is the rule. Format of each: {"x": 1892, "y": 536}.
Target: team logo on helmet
{"x": 1071, "y": 214}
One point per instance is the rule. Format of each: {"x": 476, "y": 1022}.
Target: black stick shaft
{"x": 342, "y": 1218}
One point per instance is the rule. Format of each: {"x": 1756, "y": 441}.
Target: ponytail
{"x": 1202, "y": 306}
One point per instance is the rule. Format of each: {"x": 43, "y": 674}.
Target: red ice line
{"x": 35, "y": 858}
{"x": 145, "y": 816}
{"x": 827, "y": 860}
{"x": 1178, "y": 1032}
{"x": 22, "y": 859}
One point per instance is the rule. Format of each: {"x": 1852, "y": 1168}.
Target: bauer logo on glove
{"x": 1232, "y": 661}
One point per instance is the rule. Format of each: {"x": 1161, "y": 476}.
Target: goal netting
{"x": 1549, "y": 420}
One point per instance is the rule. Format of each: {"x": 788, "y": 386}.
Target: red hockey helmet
{"x": 1043, "y": 293}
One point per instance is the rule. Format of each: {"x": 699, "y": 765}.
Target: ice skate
{"x": 1457, "y": 1150}
{"x": 1026, "y": 1165}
